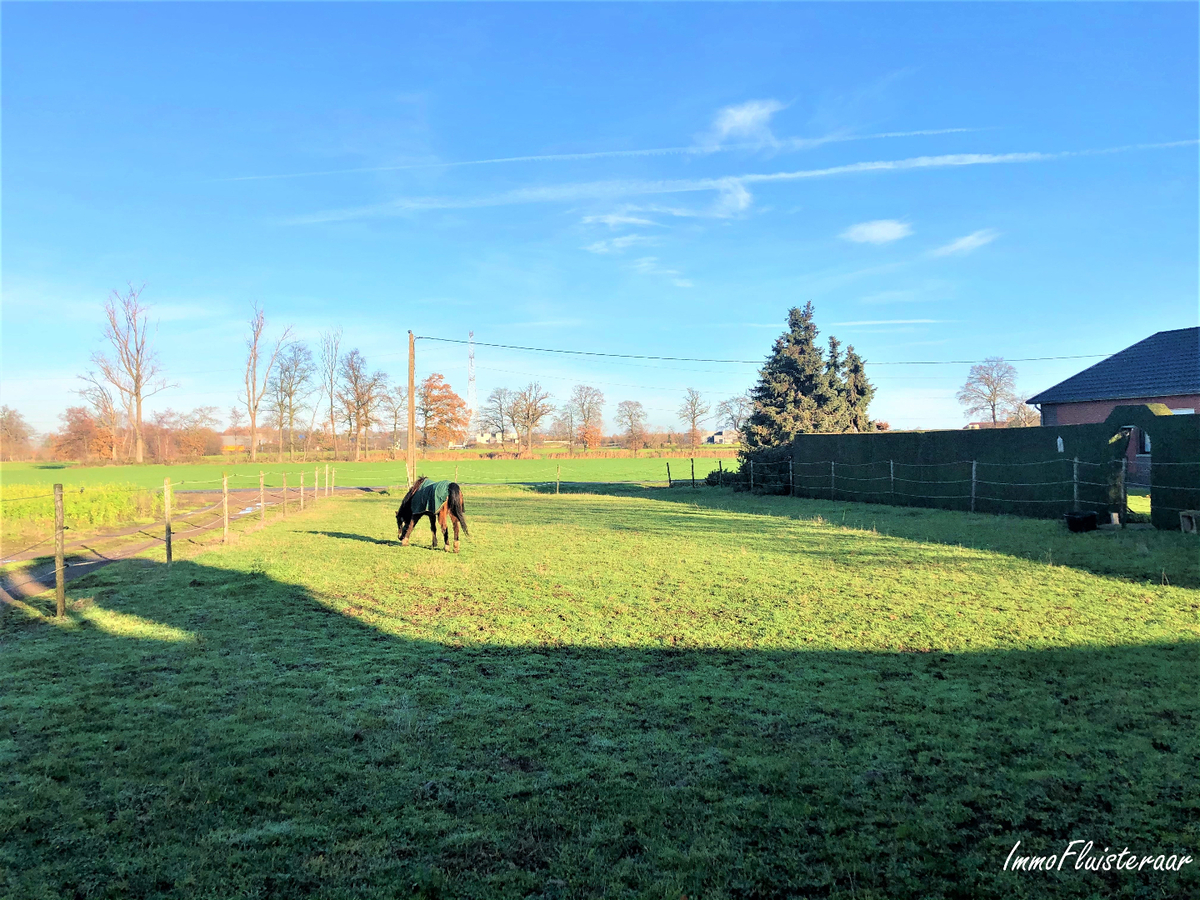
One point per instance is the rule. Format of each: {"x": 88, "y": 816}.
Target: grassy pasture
{"x": 470, "y": 470}
{"x": 640, "y": 693}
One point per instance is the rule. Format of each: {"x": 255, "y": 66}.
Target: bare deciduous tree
{"x": 289, "y": 389}
{"x": 496, "y": 413}
{"x": 394, "y": 401}
{"x": 254, "y": 386}
{"x": 530, "y": 408}
{"x": 331, "y": 342}
{"x": 735, "y": 411}
{"x": 133, "y": 370}
{"x": 361, "y": 394}
{"x": 587, "y": 407}
{"x": 631, "y": 419}
{"x": 990, "y": 388}
{"x": 692, "y": 410}
{"x": 1022, "y": 415}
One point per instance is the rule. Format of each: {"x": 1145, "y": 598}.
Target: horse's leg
{"x": 433, "y": 528}
{"x": 445, "y": 530}
{"x": 407, "y": 532}
{"x": 455, "y": 521}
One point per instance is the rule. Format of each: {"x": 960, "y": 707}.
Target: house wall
{"x": 1093, "y": 411}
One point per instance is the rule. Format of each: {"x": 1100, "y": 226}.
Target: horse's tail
{"x": 456, "y": 506}
{"x": 405, "y": 509}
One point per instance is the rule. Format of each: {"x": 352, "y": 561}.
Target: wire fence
{"x": 1041, "y": 488}
{"x": 154, "y": 518}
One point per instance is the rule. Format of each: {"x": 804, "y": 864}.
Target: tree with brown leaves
{"x": 442, "y": 413}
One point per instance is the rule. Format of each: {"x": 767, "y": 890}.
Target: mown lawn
{"x": 639, "y": 694}
{"x": 374, "y": 474}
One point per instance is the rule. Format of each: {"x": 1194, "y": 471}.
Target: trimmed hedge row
{"x": 1033, "y": 472}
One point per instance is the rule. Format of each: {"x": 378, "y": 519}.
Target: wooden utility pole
{"x": 167, "y": 514}
{"x": 225, "y": 507}
{"x": 411, "y": 462}
{"x": 60, "y": 587}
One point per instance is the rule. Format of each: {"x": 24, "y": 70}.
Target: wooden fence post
{"x": 333, "y": 481}
{"x": 1075, "y": 485}
{"x": 285, "y": 495}
{"x": 301, "y": 492}
{"x": 316, "y": 483}
{"x": 973, "y": 485}
{"x": 456, "y": 472}
{"x": 224, "y": 507}
{"x": 326, "y": 479}
{"x": 167, "y": 514}
{"x": 832, "y": 477}
{"x": 1124, "y": 491}
{"x": 720, "y": 473}
{"x": 557, "y": 477}
{"x": 262, "y": 499}
{"x": 693, "y": 461}
{"x": 60, "y": 587}
{"x": 668, "y": 473}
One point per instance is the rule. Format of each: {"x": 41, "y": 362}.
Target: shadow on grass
{"x": 342, "y": 535}
{"x": 1160, "y": 557}
{"x": 198, "y": 731}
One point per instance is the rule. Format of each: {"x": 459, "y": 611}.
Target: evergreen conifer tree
{"x": 859, "y": 392}
{"x": 835, "y": 410}
{"x": 792, "y": 383}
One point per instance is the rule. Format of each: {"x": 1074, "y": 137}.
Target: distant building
{"x": 1164, "y": 368}
{"x": 723, "y": 437}
{"x": 975, "y": 426}
{"x": 234, "y": 443}
{"x": 494, "y": 437}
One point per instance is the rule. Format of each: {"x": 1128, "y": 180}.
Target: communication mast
{"x": 471, "y": 377}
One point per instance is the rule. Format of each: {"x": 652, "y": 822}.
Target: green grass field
{"x": 350, "y": 474}
{"x": 643, "y": 693}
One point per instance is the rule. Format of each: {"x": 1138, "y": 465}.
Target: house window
{"x": 1143, "y": 443}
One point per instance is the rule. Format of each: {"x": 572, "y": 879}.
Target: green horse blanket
{"x": 429, "y": 497}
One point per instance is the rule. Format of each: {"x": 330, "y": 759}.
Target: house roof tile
{"x": 1165, "y": 364}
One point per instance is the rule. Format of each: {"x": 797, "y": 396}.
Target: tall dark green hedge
{"x": 1020, "y": 471}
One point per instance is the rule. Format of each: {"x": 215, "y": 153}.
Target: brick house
{"x": 1164, "y": 368}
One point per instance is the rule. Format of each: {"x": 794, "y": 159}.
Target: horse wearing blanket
{"x": 440, "y": 500}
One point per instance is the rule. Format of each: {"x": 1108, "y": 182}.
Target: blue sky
{"x": 943, "y": 182}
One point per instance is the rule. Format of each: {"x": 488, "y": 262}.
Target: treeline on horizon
{"x": 297, "y": 402}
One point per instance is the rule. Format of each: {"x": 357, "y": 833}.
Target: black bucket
{"x": 1082, "y": 521}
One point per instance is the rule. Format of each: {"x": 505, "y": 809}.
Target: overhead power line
{"x": 749, "y": 362}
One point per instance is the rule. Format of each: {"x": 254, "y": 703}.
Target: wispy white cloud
{"x": 597, "y": 190}
{"x": 966, "y": 244}
{"x": 780, "y": 144}
{"x": 880, "y": 231}
{"x": 617, "y": 244}
{"x": 649, "y": 265}
{"x": 748, "y": 122}
{"x": 615, "y": 220}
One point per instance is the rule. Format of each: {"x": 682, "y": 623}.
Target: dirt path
{"x": 86, "y": 555}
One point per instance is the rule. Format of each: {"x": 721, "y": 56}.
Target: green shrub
{"x": 108, "y": 504}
